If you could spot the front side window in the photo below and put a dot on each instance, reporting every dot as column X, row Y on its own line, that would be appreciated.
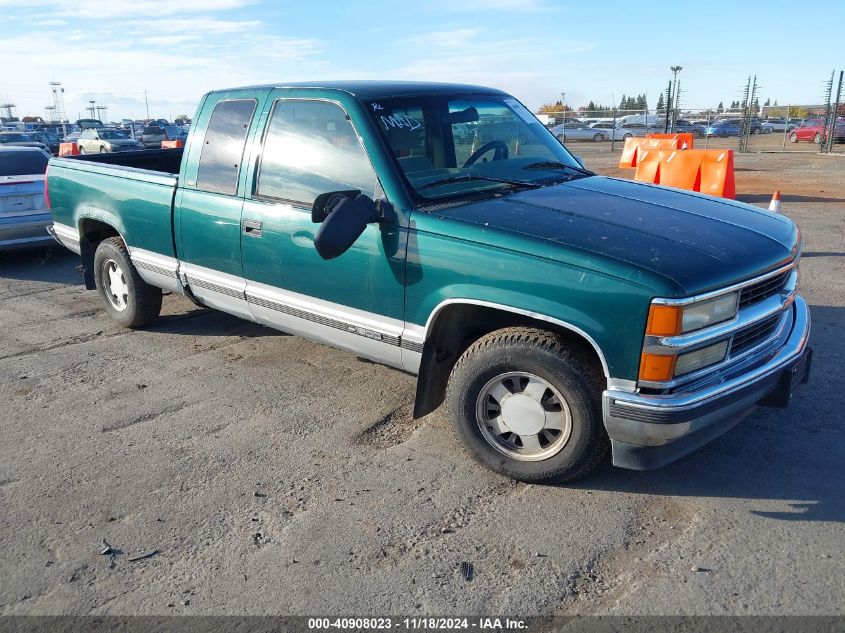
column 223, row 146
column 311, row 148
column 459, row 145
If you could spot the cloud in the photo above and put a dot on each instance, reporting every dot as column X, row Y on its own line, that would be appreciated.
column 99, row 9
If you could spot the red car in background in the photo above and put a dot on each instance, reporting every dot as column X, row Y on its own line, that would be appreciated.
column 814, row 130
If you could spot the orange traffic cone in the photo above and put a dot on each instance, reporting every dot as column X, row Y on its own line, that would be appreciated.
column 774, row 205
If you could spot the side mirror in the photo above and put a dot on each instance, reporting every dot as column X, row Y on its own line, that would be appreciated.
column 326, row 202
column 344, row 224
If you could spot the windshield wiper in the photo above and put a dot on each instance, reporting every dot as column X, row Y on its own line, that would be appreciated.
column 547, row 165
column 468, row 177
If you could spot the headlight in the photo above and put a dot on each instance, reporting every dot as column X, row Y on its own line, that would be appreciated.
column 671, row 320
column 703, row 357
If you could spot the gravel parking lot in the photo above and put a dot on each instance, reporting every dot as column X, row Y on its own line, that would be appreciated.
column 270, row 475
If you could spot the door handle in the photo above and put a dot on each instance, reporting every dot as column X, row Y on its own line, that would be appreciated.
column 252, row 228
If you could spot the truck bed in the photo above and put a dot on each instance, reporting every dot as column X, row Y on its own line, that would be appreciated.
column 165, row 161
column 130, row 191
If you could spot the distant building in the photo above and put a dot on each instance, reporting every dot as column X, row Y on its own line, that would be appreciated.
column 769, row 112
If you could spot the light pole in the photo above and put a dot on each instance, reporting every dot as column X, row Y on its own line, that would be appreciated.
column 563, row 125
column 673, row 98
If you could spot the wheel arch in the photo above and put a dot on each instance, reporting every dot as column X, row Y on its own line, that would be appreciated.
column 92, row 231
column 457, row 323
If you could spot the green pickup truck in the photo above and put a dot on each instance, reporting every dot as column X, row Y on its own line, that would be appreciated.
column 442, row 230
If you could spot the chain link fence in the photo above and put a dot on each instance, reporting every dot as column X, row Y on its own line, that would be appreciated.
column 743, row 127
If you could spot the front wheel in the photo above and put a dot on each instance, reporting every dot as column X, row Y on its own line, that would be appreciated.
column 102, row 149
column 817, row 139
column 81, row 149
column 528, row 407
column 598, row 137
column 793, row 138
column 127, row 298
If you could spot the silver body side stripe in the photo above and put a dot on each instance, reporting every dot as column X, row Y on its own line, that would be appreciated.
column 67, row 236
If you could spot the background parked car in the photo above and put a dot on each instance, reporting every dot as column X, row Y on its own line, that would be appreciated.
column 103, row 140
column 23, row 214
column 688, row 127
column 724, row 128
column 152, row 136
column 49, row 139
column 577, row 131
column 778, row 125
column 21, row 140
column 814, row 131
column 627, row 130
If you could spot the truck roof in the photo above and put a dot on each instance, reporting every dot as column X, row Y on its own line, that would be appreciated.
column 373, row 89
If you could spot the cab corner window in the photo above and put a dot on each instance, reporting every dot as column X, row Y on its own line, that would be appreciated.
column 311, row 148
column 223, row 146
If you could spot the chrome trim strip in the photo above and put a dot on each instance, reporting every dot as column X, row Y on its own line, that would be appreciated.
column 722, row 291
column 620, row 384
column 360, row 322
column 681, row 401
column 528, row 313
column 154, row 262
column 362, row 333
column 67, row 236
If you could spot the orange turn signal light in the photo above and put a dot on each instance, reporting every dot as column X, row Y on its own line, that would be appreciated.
column 664, row 320
column 657, row 367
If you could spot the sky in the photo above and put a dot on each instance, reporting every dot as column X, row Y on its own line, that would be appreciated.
column 113, row 51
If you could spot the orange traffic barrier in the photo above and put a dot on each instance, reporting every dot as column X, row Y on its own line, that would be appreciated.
column 717, row 173
column 68, row 149
column 636, row 145
column 706, row 171
column 681, row 169
column 681, row 137
column 659, row 143
column 628, row 160
column 172, row 144
column 648, row 165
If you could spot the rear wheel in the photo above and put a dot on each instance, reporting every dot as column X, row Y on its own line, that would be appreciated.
column 528, row 407
column 81, row 149
column 126, row 297
column 627, row 136
column 598, row 137
column 817, row 139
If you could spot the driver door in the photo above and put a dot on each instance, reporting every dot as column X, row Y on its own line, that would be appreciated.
column 354, row 301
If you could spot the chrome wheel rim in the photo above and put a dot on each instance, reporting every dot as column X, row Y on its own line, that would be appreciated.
column 523, row 416
column 114, row 283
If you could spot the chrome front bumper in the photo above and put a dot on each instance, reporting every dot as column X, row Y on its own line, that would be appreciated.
column 649, row 431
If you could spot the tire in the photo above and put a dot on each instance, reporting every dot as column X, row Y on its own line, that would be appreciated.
column 519, row 361
column 598, row 137
column 625, row 137
column 102, row 149
column 126, row 297
column 817, row 139
column 793, row 138
column 81, row 149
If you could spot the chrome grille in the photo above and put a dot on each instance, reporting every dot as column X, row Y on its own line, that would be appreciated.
column 753, row 335
column 762, row 289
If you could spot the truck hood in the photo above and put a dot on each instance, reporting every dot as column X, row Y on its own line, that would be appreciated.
column 698, row 242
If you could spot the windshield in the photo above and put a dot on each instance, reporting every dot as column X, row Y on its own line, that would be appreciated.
column 15, row 138
column 22, row 163
column 458, row 145
column 111, row 134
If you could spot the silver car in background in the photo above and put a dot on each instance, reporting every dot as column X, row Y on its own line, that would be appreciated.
column 24, row 217
column 577, row 131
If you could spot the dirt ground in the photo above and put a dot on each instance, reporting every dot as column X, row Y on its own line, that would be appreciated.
column 264, row 474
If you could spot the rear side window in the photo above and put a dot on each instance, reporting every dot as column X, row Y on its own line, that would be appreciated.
column 22, row 163
column 223, row 146
column 312, row 148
